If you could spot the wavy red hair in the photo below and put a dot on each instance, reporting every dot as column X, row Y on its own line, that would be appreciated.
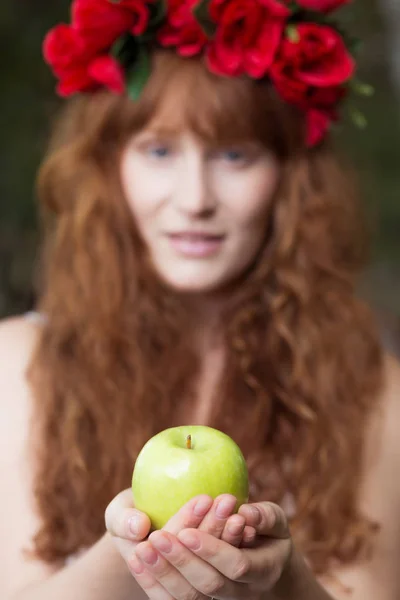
column 304, row 362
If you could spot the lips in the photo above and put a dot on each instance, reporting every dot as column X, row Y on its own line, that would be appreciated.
column 196, row 237
column 196, row 244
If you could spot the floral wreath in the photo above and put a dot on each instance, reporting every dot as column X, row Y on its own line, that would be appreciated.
column 297, row 45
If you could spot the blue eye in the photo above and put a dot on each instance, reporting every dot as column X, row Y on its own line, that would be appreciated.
column 159, row 151
column 234, row 155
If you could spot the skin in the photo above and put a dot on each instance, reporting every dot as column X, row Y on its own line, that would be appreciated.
column 175, row 183
column 199, row 562
column 210, row 553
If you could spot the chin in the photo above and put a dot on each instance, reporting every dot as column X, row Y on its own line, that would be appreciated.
column 195, row 284
column 195, row 287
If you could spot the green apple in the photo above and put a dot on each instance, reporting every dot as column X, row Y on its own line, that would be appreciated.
column 181, row 462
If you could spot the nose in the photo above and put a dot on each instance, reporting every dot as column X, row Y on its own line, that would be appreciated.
column 194, row 195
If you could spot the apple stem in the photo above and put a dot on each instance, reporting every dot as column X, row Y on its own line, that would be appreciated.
column 189, row 442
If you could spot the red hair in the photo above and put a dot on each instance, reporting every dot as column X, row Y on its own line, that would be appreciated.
column 304, row 363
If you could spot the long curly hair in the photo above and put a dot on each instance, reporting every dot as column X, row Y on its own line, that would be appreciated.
column 116, row 358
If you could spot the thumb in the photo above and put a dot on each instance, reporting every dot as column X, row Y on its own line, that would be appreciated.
column 267, row 519
column 123, row 520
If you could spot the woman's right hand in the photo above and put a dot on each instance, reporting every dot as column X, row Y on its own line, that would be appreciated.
column 129, row 526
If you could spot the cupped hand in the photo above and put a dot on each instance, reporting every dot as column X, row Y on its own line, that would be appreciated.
column 129, row 526
column 193, row 564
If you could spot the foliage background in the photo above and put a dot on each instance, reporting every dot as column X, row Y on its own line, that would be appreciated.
column 28, row 104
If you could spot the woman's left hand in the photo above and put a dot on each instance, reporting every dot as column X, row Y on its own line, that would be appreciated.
column 195, row 564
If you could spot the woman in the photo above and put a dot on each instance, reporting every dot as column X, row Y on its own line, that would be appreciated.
column 199, row 267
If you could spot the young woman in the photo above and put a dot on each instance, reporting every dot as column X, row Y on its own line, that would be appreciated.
column 199, row 267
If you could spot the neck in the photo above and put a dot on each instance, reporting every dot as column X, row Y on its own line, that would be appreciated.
column 206, row 314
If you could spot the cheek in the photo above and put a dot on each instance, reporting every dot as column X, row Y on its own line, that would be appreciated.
column 251, row 198
column 140, row 188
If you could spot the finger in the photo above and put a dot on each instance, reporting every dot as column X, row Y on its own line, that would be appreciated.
column 190, row 515
column 231, row 562
column 202, row 576
column 233, row 530
column 149, row 584
column 249, row 537
column 214, row 521
column 267, row 519
column 262, row 565
column 124, row 521
column 165, row 573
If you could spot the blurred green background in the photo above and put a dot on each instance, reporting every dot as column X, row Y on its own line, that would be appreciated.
column 28, row 104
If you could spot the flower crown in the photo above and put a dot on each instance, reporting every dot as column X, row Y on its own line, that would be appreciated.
column 294, row 44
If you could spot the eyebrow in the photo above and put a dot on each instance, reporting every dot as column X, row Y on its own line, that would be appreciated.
column 162, row 131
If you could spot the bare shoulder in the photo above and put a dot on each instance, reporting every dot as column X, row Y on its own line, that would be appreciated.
column 379, row 576
column 18, row 338
column 391, row 391
column 385, row 434
column 382, row 456
column 18, row 520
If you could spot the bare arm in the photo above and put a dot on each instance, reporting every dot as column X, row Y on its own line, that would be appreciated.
column 379, row 576
column 101, row 573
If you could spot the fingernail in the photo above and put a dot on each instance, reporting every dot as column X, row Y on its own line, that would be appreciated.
column 133, row 525
column 225, row 507
column 190, row 540
column 255, row 513
column 148, row 555
column 202, row 507
column 136, row 565
column 162, row 543
column 235, row 528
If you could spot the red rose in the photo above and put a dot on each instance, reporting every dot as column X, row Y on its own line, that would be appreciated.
column 324, row 6
column 182, row 30
column 310, row 71
column 77, row 66
column 79, row 53
column 106, row 71
column 317, row 58
column 322, row 111
column 102, row 22
column 317, row 125
column 62, row 48
column 248, row 35
column 103, row 71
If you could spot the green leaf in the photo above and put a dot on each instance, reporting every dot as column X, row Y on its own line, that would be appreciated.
column 293, row 34
column 117, row 50
column 126, row 49
column 138, row 73
column 202, row 16
column 361, row 88
column 358, row 119
column 294, row 7
column 158, row 12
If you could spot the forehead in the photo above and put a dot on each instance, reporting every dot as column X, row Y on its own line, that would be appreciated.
column 214, row 109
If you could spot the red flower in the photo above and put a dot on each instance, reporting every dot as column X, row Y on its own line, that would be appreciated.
column 103, row 71
column 79, row 53
column 182, row 29
column 322, row 111
column 101, row 22
column 248, row 35
column 317, row 125
column 324, row 6
column 311, row 70
column 76, row 66
column 62, row 48
column 317, row 59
